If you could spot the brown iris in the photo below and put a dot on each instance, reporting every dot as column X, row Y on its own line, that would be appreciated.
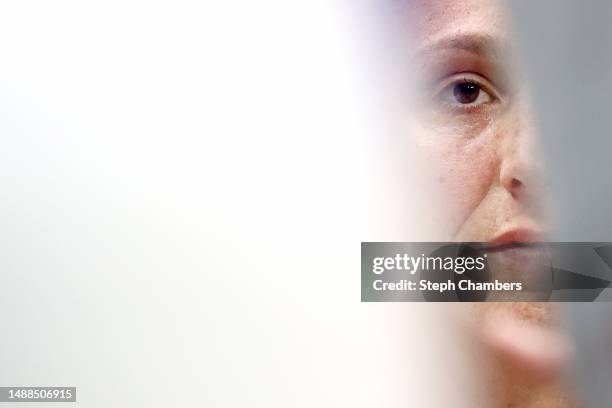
column 466, row 92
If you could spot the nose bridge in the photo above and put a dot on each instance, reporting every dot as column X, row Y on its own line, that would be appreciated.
column 520, row 164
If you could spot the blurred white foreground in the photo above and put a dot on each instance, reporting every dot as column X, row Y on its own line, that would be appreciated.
column 185, row 187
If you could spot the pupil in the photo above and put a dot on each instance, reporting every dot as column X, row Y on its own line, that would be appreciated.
column 466, row 92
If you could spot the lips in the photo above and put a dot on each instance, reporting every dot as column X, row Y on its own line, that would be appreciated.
column 517, row 246
column 519, row 255
column 517, row 237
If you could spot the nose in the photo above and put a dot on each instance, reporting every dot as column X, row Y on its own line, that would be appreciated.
column 520, row 168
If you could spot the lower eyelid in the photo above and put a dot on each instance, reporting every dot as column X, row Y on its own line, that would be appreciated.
column 468, row 77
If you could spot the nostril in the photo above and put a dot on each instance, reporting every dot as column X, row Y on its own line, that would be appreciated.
column 515, row 188
column 515, row 184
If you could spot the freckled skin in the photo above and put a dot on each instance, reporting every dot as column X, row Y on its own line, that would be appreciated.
column 478, row 160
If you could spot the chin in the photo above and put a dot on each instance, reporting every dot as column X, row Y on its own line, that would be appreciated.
column 538, row 313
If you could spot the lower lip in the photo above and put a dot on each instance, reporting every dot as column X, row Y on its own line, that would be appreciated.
column 511, row 247
column 518, row 256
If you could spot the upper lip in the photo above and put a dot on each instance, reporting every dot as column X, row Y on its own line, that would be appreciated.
column 515, row 237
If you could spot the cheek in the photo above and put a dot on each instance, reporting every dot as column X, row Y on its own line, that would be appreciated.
column 463, row 170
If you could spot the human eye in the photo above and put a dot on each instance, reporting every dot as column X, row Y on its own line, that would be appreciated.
column 465, row 92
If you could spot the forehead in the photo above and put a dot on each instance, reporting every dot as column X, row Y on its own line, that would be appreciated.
column 446, row 19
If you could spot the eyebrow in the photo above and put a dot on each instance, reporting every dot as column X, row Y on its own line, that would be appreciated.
column 478, row 44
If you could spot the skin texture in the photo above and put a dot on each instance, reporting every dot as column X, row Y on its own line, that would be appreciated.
column 484, row 166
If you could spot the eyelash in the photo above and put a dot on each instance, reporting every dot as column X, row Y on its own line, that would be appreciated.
column 449, row 84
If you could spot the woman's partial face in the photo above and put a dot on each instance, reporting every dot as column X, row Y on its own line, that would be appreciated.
column 474, row 133
column 474, row 128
